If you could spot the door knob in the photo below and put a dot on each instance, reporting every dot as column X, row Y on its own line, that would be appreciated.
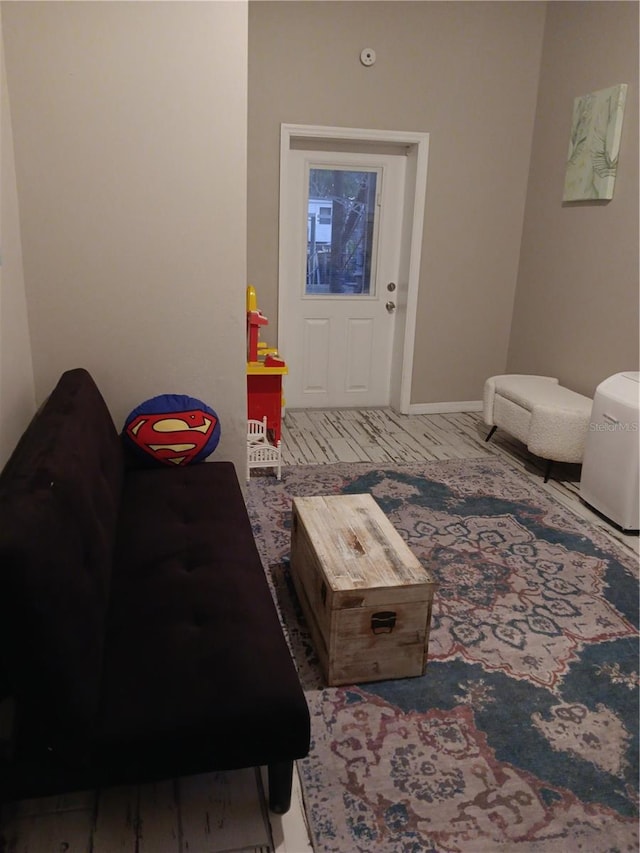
column 390, row 306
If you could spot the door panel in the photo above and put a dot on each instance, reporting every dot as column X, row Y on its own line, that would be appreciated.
column 343, row 225
column 360, row 335
column 315, row 362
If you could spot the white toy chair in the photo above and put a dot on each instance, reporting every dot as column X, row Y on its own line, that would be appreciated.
column 260, row 452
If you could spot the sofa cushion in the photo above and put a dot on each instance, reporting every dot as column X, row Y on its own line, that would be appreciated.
column 192, row 625
column 59, row 501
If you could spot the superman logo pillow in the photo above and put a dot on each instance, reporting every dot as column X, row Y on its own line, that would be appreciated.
column 173, row 429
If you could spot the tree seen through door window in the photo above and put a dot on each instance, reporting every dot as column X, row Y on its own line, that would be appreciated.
column 340, row 230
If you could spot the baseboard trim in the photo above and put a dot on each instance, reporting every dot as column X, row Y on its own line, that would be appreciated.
column 445, row 408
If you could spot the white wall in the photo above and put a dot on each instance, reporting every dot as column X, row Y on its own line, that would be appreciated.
column 129, row 126
column 576, row 307
column 17, row 396
column 466, row 73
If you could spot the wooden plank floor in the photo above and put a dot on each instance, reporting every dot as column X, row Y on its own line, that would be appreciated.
column 316, row 436
column 214, row 813
column 209, row 813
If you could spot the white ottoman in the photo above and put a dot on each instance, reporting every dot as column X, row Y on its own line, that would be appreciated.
column 551, row 420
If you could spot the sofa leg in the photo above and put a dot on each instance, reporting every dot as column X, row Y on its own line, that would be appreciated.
column 547, row 472
column 280, row 781
column 491, row 432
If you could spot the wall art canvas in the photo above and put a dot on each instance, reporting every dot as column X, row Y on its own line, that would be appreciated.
column 594, row 144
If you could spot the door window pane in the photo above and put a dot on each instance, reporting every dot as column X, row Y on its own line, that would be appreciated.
column 341, row 219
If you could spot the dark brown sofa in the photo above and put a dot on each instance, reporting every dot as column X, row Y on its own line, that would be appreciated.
column 138, row 636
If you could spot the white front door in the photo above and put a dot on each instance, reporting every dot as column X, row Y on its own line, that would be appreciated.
column 341, row 236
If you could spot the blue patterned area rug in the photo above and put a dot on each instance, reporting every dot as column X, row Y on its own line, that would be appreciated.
column 523, row 733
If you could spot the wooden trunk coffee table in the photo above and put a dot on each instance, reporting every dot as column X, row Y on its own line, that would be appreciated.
column 366, row 597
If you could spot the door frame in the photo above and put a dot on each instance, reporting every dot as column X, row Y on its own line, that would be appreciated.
column 416, row 148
